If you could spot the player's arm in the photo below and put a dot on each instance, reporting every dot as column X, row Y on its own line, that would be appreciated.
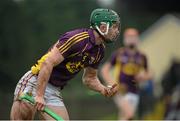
column 91, row 80
column 54, row 58
column 106, row 68
column 146, row 74
column 105, row 72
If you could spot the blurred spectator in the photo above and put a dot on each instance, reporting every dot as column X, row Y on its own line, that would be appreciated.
column 147, row 99
column 171, row 91
column 130, row 68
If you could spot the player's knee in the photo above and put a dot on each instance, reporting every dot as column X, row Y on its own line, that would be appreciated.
column 59, row 110
column 22, row 111
column 129, row 114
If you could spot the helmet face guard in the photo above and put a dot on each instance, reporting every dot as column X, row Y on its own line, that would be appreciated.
column 103, row 16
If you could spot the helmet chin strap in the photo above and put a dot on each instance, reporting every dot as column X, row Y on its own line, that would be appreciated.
column 107, row 29
column 105, row 33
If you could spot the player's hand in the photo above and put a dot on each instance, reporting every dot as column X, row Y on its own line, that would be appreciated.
column 141, row 76
column 114, row 89
column 110, row 91
column 39, row 103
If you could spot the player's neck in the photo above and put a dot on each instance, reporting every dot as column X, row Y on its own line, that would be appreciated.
column 98, row 39
column 132, row 51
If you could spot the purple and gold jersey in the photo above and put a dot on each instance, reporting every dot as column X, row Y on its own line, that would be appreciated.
column 79, row 51
column 126, row 66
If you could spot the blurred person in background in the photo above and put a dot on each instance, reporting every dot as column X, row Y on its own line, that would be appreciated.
column 171, row 91
column 146, row 98
column 75, row 50
column 130, row 67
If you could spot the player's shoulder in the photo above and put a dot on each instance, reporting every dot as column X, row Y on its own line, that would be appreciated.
column 78, row 32
column 142, row 53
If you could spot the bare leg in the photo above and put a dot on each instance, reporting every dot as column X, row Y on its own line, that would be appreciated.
column 126, row 110
column 60, row 110
column 22, row 111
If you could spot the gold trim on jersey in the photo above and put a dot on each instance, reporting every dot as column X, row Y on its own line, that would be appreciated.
column 75, row 39
column 97, row 56
column 85, row 48
column 36, row 68
column 72, row 39
column 73, row 42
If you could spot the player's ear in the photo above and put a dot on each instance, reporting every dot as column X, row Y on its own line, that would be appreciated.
column 103, row 28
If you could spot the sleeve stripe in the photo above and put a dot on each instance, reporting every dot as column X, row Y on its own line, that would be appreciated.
column 80, row 39
column 84, row 48
column 97, row 56
column 72, row 38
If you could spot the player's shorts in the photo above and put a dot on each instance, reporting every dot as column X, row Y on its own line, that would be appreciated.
column 131, row 98
column 27, row 84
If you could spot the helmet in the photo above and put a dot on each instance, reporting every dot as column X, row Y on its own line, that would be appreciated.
column 107, row 16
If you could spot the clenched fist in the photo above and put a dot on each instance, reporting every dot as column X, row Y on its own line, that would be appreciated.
column 39, row 103
column 110, row 91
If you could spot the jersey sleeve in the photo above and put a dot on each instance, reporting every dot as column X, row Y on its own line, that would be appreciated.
column 71, row 45
column 96, row 64
column 98, row 58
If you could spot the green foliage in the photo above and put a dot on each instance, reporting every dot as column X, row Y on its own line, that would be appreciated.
column 29, row 27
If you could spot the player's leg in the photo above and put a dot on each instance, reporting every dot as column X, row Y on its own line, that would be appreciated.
column 124, row 109
column 22, row 111
column 117, row 99
column 128, row 106
column 60, row 110
column 54, row 101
